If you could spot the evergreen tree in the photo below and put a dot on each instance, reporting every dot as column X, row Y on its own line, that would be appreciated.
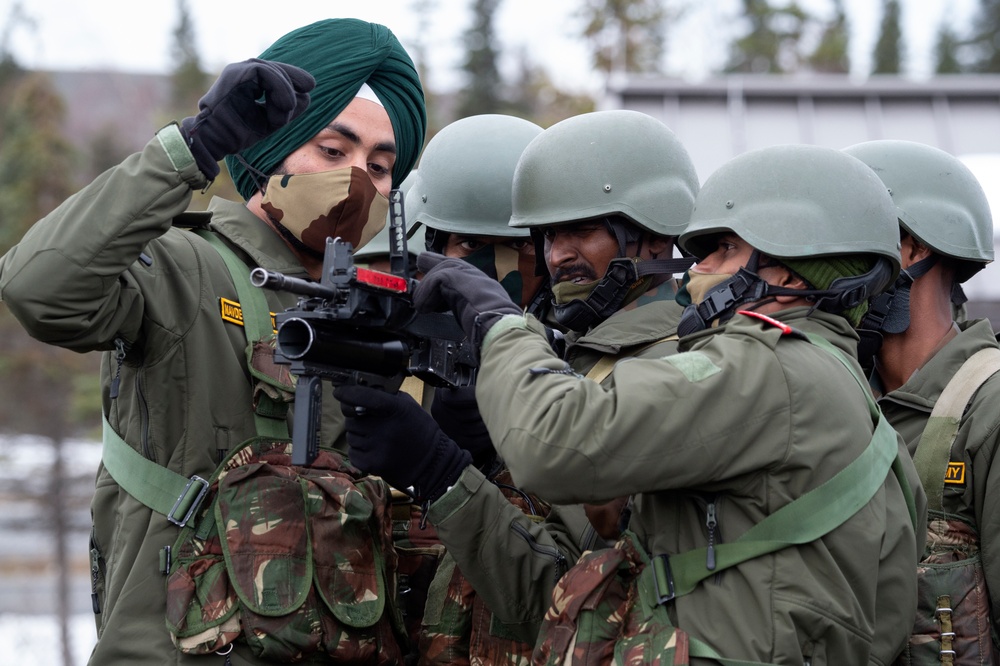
column 424, row 11
column 984, row 42
column 10, row 70
column 39, row 390
column 772, row 45
column 831, row 55
column 536, row 97
column 484, row 92
column 888, row 54
column 36, row 160
column 946, row 50
column 626, row 35
column 188, row 81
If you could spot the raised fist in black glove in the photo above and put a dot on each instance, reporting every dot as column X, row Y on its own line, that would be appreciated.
column 456, row 411
column 390, row 435
column 250, row 100
column 477, row 300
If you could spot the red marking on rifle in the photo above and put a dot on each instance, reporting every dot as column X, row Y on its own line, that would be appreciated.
column 382, row 280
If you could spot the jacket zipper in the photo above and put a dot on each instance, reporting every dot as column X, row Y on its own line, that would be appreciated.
column 554, row 553
column 147, row 450
column 711, row 522
column 713, row 531
column 121, row 350
column 95, row 575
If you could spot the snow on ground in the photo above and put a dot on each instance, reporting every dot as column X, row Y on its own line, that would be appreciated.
column 33, row 640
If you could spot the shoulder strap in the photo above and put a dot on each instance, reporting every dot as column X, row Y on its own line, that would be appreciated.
column 256, row 325
column 162, row 490
column 934, row 450
column 606, row 363
column 803, row 520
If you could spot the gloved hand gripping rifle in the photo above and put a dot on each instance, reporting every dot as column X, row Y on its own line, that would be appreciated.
column 359, row 326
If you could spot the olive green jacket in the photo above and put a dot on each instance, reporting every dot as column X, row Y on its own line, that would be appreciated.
column 512, row 561
column 977, row 500
column 110, row 263
column 743, row 420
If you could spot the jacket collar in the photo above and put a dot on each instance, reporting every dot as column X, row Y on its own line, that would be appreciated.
column 924, row 387
column 253, row 236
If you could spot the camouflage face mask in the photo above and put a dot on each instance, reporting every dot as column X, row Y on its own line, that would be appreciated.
column 340, row 203
column 696, row 285
column 500, row 263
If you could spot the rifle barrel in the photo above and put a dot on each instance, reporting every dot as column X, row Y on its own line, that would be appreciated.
column 265, row 279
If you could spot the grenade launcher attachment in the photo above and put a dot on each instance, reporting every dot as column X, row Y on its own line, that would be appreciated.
column 359, row 326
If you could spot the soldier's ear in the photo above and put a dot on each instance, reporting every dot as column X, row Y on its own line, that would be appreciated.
column 783, row 277
column 658, row 245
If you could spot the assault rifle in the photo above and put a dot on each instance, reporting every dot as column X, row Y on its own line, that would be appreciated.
column 359, row 326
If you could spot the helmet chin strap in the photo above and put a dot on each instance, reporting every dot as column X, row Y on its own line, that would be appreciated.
column 622, row 273
column 889, row 312
column 746, row 286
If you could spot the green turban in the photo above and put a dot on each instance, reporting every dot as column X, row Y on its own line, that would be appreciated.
column 342, row 54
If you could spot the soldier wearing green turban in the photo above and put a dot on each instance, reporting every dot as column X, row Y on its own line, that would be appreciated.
column 315, row 132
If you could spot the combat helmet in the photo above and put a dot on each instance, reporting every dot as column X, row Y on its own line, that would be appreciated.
column 623, row 167
column 941, row 204
column 801, row 206
column 464, row 180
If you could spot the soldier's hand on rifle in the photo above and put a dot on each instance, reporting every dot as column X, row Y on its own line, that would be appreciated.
column 456, row 411
column 477, row 300
column 391, row 436
column 250, row 100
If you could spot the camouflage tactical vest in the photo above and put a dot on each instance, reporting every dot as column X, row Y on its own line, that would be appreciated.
column 458, row 628
column 296, row 560
column 953, row 623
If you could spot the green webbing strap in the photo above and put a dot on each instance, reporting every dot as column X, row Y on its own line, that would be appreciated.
column 607, row 363
column 162, row 490
column 801, row 521
column 934, row 450
column 873, row 408
column 175, row 496
column 269, row 416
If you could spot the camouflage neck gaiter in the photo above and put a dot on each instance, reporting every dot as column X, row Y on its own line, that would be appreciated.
column 313, row 206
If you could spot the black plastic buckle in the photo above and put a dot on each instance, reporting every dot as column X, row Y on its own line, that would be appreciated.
column 662, row 572
column 191, row 498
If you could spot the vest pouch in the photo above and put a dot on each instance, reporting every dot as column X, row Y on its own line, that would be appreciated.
column 357, row 579
column 951, row 577
column 604, row 611
column 589, row 604
column 201, row 604
column 284, row 557
column 419, row 552
column 260, row 512
column 273, row 384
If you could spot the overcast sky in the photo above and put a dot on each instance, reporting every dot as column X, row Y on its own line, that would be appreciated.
column 135, row 35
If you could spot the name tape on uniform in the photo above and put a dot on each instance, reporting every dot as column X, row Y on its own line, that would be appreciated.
column 233, row 313
column 955, row 475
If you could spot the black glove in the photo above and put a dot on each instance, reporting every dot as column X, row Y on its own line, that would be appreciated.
column 390, row 435
column 250, row 100
column 457, row 412
column 477, row 300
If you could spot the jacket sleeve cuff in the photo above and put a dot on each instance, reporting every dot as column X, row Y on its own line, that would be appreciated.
column 175, row 146
column 457, row 496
